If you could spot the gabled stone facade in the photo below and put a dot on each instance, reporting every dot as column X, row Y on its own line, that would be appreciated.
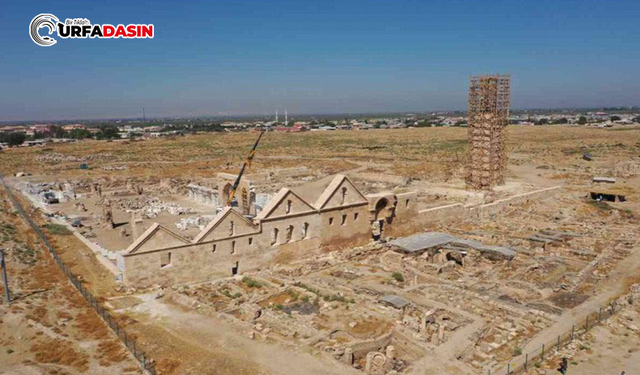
column 327, row 214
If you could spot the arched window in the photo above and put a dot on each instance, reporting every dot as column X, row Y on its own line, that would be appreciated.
column 245, row 201
column 288, row 208
column 274, row 236
column 305, row 230
column 289, row 233
column 344, row 195
column 232, row 228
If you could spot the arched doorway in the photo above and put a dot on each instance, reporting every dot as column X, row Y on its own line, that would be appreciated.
column 381, row 209
column 380, row 216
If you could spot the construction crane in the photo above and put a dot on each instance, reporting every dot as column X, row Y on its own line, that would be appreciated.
column 231, row 201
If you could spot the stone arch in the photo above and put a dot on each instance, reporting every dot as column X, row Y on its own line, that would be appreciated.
column 226, row 190
column 381, row 208
column 456, row 257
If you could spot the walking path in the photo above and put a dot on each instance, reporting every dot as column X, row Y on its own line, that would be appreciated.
column 221, row 338
column 613, row 287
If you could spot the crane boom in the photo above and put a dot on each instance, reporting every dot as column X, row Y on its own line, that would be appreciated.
column 231, row 201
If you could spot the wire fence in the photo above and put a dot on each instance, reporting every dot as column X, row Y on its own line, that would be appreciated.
column 130, row 343
column 523, row 362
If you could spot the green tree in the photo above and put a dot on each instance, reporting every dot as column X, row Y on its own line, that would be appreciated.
column 80, row 134
column 108, row 132
column 615, row 118
column 14, row 139
column 582, row 120
column 542, row 121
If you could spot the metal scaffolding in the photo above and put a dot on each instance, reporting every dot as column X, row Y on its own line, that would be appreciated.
column 489, row 100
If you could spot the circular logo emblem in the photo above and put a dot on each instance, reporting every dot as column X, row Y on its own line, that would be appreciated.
column 43, row 20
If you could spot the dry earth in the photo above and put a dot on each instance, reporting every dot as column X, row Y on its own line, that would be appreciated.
column 183, row 342
column 49, row 328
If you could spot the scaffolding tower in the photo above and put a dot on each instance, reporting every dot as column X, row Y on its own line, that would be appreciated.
column 489, row 100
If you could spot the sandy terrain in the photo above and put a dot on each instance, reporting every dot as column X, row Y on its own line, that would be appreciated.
column 186, row 340
column 49, row 328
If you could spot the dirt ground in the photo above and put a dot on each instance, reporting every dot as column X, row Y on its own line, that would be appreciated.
column 429, row 154
column 608, row 349
column 49, row 328
column 186, row 342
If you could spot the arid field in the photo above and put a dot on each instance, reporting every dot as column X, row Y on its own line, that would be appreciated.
column 482, row 313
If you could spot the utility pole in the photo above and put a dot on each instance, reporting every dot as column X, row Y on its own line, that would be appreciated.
column 4, row 276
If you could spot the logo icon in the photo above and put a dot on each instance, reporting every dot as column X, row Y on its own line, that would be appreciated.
column 43, row 20
column 82, row 28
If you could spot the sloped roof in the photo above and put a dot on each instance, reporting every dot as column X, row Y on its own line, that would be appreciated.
column 218, row 219
column 148, row 234
column 310, row 192
column 277, row 199
column 331, row 189
column 423, row 241
column 315, row 193
column 395, row 301
column 500, row 251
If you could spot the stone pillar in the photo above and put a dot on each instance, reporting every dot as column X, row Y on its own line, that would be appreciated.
column 107, row 214
column 375, row 363
column 348, row 356
column 391, row 355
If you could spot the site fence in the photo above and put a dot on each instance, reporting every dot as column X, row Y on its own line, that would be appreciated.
column 524, row 362
column 138, row 354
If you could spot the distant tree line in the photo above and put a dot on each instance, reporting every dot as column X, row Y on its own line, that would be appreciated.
column 55, row 131
column 195, row 127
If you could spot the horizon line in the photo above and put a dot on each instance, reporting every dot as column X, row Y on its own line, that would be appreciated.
column 309, row 114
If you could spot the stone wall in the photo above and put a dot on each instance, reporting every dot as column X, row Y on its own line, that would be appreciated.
column 217, row 254
column 194, row 262
column 457, row 210
column 493, row 208
column 360, row 349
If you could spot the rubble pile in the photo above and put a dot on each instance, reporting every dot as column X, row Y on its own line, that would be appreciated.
column 54, row 157
column 114, row 167
column 150, row 207
column 199, row 222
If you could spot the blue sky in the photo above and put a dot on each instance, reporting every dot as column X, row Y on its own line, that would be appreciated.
column 251, row 57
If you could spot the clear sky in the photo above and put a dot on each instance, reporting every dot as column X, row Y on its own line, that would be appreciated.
column 250, row 57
